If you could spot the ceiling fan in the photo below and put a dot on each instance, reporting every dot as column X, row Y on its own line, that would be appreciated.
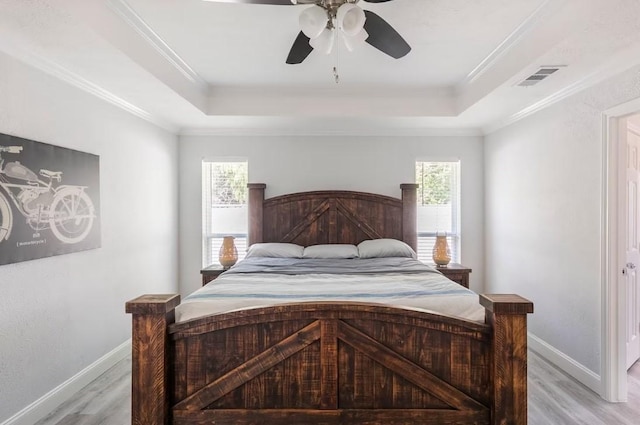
column 320, row 22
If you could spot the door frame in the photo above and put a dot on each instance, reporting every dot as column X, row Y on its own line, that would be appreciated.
column 613, row 358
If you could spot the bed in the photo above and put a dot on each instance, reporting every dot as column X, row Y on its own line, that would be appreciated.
column 329, row 361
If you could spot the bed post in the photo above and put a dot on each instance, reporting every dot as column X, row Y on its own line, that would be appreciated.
column 256, row 201
column 150, row 363
column 409, row 214
column 507, row 315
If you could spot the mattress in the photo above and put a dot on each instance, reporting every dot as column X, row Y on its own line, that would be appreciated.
column 398, row 282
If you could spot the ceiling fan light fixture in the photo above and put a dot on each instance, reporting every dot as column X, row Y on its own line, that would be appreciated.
column 325, row 20
column 352, row 42
column 313, row 21
column 324, row 42
column 350, row 19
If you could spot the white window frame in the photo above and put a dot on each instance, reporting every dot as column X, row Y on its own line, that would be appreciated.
column 454, row 237
column 210, row 257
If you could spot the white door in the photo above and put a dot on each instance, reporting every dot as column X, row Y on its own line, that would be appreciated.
column 632, row 265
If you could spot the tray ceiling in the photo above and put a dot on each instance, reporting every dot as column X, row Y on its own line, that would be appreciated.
column 196, row 65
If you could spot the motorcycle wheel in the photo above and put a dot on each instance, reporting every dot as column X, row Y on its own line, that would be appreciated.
column 72, row 213
column 6, row 218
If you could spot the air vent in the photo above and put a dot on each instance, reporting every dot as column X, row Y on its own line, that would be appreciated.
column 542, row 74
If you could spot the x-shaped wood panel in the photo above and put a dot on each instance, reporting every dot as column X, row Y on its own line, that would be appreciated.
column 332, row 206
column 329, row 331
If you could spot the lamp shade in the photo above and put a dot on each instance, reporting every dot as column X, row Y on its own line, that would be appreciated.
column 350, row 19
column 313, row 21
column 324, row 42
column 352, row 42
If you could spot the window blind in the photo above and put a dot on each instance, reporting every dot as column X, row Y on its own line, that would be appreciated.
column 224, row 207
column 438, row 207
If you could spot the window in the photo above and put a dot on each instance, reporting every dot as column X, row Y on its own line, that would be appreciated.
column 224, row 203
column 438, row 207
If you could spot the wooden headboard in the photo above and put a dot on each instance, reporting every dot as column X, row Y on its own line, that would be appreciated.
column 323, row 217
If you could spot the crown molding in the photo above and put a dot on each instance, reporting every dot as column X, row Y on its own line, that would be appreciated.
column 622, row 62
column 75, row 80
column 60, row 72
column 135, row 21
column 508, row 43
column 355, row 132
column 548, row 101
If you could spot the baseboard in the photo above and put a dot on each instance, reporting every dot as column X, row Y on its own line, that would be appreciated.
column 54, row 398
column 570, row 366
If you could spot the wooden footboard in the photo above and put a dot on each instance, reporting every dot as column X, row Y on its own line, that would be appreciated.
column 329, row 363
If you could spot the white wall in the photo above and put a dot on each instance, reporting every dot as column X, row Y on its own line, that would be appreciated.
column 543, row 196
column 60, row 314
column 295, row 164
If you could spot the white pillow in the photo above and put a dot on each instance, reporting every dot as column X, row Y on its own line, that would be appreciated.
column 331, row 251
column 378, row 248
column 275, row 249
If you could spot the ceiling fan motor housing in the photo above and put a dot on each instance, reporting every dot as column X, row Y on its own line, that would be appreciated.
column 332, row 6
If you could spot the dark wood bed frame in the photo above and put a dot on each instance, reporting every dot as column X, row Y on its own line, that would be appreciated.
column 329, row 363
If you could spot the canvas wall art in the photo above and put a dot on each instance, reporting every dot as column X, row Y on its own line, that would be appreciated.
column 49, row 200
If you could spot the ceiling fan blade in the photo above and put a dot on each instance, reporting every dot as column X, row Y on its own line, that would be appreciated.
column 383, row 37
column 300, row 49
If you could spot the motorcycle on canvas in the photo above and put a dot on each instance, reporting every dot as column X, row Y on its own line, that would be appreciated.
column 66, row 209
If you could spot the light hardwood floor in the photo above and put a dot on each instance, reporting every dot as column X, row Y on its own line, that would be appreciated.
column 554, row 399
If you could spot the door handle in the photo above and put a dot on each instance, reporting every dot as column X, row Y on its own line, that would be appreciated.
column 630, row 266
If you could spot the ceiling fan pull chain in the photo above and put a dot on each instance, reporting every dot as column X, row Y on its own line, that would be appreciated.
column 336, row 76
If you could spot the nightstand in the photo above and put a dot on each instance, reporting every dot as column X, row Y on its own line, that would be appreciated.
column 210, row 273
column 456, row 272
